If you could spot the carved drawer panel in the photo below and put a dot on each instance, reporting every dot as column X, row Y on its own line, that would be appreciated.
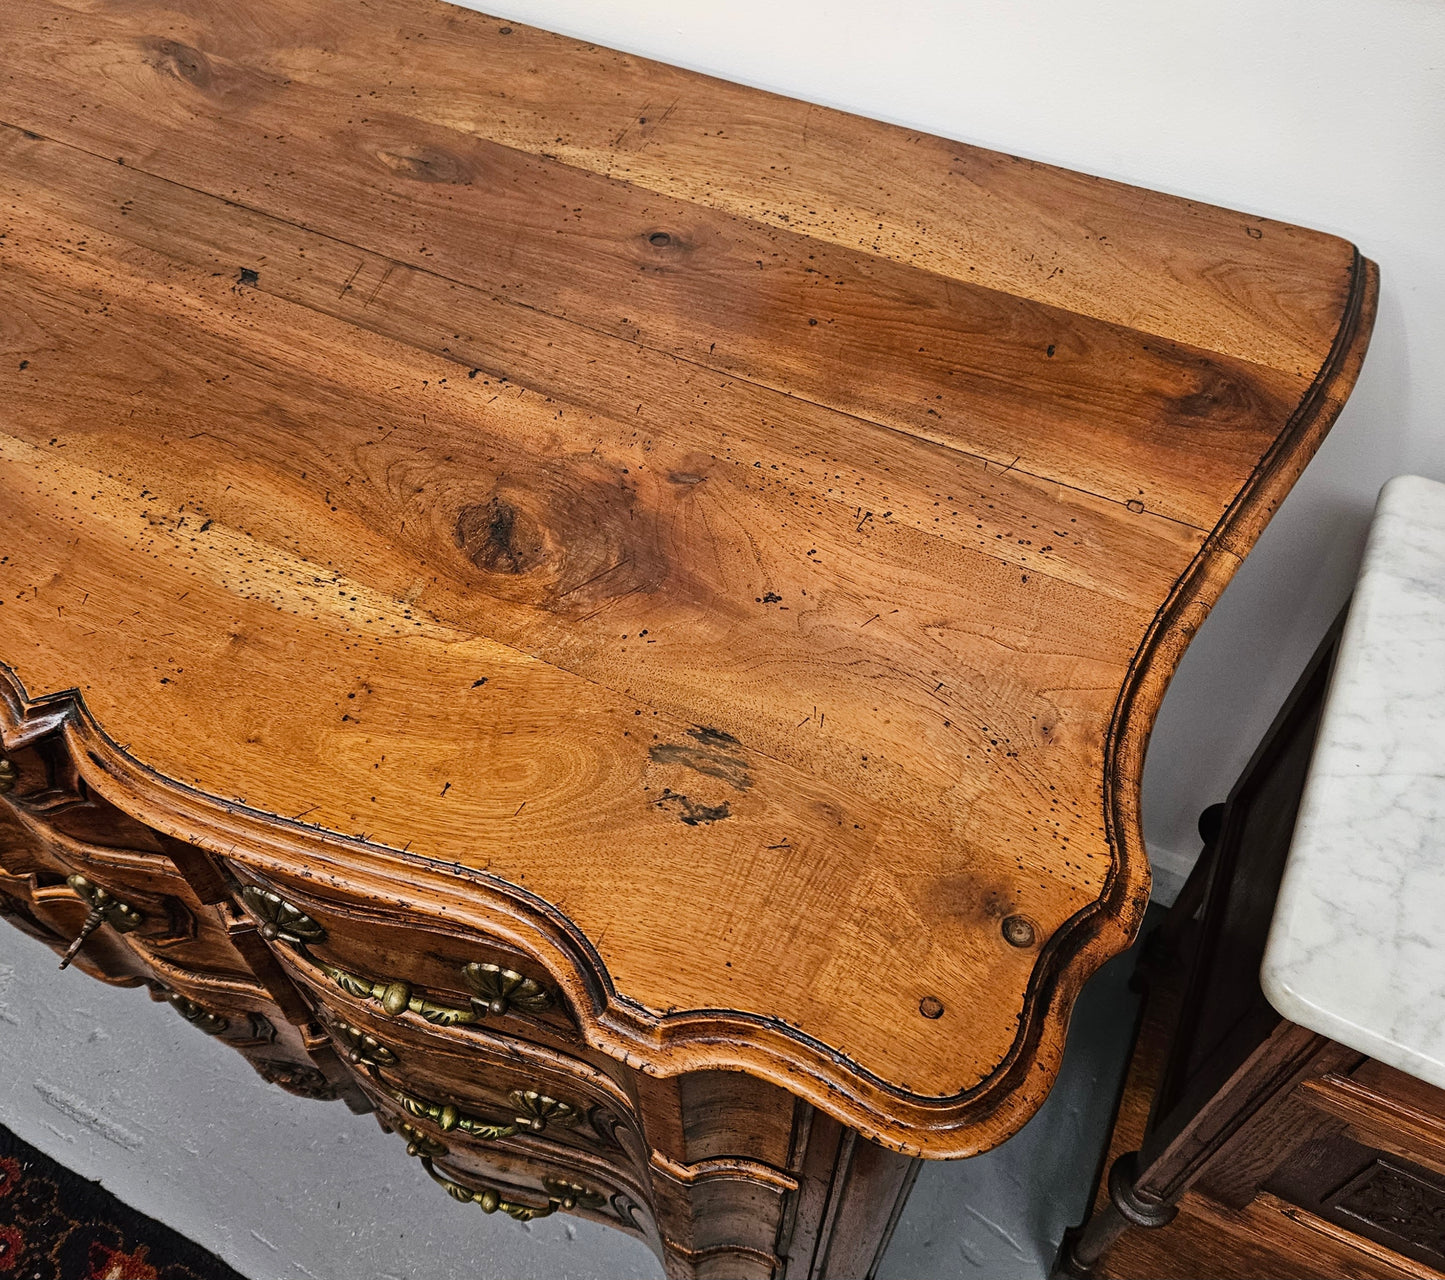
column 1396, row 1203
column 169, row 917
column 475, row 1079
column 526, row 1184
column 723, row 1206
column 1371, row 1192
column 47, row 908
column 232, row 1009
column 36, row 894
column 397, row 963
column 42, row 780
column 169, row 920
column 300, row 1057
column 481, row 1093
column 235, row 1010
column 22, row 853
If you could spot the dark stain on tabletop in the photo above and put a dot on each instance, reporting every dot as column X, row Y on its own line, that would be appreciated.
column 716, row 754
column 690, row 811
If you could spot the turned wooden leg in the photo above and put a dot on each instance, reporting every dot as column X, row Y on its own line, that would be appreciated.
column 1083, row 1246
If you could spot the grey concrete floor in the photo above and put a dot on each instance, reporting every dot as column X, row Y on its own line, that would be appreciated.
column 120, row 1089
column 1002, row 1214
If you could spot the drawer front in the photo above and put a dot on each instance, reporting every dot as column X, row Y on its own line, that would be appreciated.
column 52, row 835
column 400, row 964
column 1370, row 1192
column 42, row 781
column 472, row 1079
column 467, row 1090
column 524, row 1183
column 725, row 1211
column 239, row 1012
column 242, row 1014
column 47, row 909
column 236, row 1010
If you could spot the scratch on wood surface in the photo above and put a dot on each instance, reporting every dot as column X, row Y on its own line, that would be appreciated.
column 385, row 276
column 227, row 556
column 347, row 286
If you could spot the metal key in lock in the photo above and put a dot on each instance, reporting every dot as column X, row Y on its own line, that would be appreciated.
column 105, row 908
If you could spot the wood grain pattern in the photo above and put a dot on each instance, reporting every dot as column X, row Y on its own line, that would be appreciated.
column 728, row 550
column 1413, row 1128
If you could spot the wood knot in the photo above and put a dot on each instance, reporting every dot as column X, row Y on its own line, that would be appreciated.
column 564, row 534
column 1214, row 397
column 498, row 538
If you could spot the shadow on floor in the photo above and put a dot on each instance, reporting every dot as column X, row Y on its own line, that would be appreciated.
column 1002, row 1214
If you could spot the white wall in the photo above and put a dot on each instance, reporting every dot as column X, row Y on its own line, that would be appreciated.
column 1327, row 113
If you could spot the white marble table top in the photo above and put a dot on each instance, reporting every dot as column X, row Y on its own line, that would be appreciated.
column 1357, row 947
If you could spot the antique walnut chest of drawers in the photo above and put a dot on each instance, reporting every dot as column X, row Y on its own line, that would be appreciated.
column 606, row 617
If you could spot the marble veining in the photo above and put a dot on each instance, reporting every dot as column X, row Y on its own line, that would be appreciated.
column 1357, row 946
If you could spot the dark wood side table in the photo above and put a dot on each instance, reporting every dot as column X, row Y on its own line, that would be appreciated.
column 1247, row 1144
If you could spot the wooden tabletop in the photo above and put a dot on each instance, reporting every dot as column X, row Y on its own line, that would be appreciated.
column 746, row 541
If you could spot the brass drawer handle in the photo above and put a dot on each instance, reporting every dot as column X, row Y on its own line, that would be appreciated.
column 396, row 997
column 560, row 1195
column 363, row 1049
column 498, row 990
column 280, row 920
column 213, row 1024
column 105, row 908
column 447, row 1117
column 419, row 1143
column 536, row 1110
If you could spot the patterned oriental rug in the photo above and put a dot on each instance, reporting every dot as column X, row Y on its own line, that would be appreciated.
column 54, row 1225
